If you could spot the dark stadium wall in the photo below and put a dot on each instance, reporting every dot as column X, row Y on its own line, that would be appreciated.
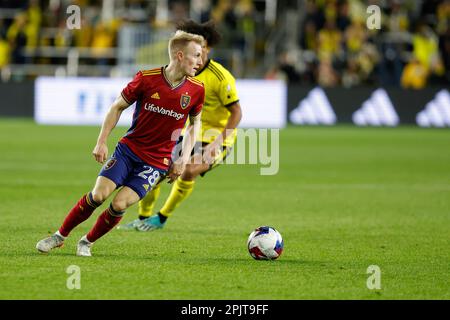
column 17, row 99
column 410, row 102
column 308, row 105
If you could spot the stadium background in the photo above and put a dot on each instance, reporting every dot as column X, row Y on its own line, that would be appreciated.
column 345, row 197
column 303, row 43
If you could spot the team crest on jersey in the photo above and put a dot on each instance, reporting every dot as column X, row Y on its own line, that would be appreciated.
column 184, row 101
column 110, row 164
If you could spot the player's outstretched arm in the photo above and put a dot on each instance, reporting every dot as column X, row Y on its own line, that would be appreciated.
column 192, row 132
column 100, row 151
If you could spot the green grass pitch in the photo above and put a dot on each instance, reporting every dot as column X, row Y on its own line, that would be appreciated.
column 345, row 198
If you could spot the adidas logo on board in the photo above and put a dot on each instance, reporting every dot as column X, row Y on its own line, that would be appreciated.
column 436, row 112
column 314, row 109
column 378, row 110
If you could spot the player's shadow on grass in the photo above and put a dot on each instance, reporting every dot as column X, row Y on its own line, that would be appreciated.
column 245, row 261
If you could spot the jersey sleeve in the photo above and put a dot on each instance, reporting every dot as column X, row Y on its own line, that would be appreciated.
column 195, row 110
column 133, row 90
column 227, row 90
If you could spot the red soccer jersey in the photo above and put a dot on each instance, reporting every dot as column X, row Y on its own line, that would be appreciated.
column 161, row 112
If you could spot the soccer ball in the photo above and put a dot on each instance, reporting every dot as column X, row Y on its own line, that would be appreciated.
column 265, row 243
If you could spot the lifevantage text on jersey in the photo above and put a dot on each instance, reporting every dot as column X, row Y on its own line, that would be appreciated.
column 154, row 108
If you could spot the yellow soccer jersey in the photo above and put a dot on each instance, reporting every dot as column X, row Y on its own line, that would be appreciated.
column 220, row 92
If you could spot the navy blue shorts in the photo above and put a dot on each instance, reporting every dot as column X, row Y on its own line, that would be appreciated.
column 125, row 168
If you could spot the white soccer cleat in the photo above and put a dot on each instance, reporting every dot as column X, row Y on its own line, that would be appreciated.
column 84, row 247
column 49, row 243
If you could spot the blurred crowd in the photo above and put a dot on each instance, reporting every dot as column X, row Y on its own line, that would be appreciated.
column 29, row 29
column 333, row 45
column 411, row 48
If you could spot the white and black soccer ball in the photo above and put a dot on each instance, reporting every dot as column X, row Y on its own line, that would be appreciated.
column 265, row 243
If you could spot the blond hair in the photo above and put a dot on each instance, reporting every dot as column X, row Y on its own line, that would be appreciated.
column 180, row 40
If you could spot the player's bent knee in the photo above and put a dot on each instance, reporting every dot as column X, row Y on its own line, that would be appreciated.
column 103, row 189
column 192, row 171
column 99, row 196
column 119, row 205
column 188, row 175
column 125, row 198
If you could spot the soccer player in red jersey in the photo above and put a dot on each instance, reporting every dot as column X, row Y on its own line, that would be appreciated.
column 221, row 115
column 164, row 98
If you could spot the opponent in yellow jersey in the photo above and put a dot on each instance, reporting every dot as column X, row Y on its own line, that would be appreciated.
column 220, row 95
column 220, row 116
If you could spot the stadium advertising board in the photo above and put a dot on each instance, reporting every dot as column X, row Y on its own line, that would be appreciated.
column 369, row 106
column 85, row 101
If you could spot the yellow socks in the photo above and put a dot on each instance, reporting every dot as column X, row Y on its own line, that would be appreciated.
column 181, row 190
column 147, row 204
